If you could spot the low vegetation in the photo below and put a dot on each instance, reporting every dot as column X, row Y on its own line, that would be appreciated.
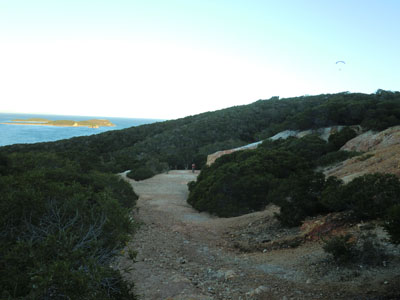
column 283, row 172
column 392, row 224
column 347, row 249
column 342, row 248
column 61, row 229
column 140, row 173
column 176, row 144
column 280, row 172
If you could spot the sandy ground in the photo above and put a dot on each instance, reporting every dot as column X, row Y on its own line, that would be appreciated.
column 184, row 254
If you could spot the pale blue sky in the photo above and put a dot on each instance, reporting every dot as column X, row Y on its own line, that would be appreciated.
column 169, row 59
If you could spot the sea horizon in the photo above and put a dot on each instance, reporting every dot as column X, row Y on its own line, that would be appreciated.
column 11, row 134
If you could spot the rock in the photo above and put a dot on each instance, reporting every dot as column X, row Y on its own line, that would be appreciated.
column 225, row 274
column 181, row 260
column 191, row 297
column 218, row 274
column 258, row 291
column 178, row 278
column 370, row 140
column 229, row 274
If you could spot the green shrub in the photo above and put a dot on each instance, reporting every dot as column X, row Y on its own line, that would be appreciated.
column 346, row 249
column 4, row 164
column 342, row 248
column 370, row 251
column 298, row 197
column 309, row 147
column 332, row 197
column 191, row 185
column 140, row 173
column 240, row 183
column 366, row 197
column 392, row 223
column 121, row 190
column 132, row 254
column 335, row 157
column 369, row 196
column 60, row 230
column 337, row 140
column 365, row 157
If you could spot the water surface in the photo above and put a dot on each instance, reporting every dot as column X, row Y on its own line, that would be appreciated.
column 22, row 134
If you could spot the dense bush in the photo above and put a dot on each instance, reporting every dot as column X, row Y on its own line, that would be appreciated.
column 240, row 183
column 309, row 147
column 337, row 140
column 369, row 196
column 283, row 172
column 335, row 157
column 140, row 173
column 346, row 249
column 298, row 197
column 333, row 197
column 60, row 229
column 342, row 248
column 179, row 143
column 278, row 171
column 370, row 250
column 392, row 224
column 366, row 197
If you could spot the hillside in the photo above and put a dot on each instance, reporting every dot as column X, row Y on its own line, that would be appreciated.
column 67, row 215
column 381, row 153
column 323, row 133
column 176, row 144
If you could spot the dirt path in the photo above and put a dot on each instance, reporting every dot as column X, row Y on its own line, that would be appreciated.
column 183, row 254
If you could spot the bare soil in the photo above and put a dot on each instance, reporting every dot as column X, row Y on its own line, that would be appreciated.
column 184, row 254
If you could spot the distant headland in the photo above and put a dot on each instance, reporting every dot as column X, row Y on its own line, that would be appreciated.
column 93, row 123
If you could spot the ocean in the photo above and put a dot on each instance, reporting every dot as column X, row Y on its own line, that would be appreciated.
column 23, row 134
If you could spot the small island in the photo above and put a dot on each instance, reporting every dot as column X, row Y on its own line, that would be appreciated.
column 93, row 123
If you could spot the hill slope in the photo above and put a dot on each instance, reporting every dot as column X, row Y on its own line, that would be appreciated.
column 50, row 187
column 381, row 154
column 179, row 143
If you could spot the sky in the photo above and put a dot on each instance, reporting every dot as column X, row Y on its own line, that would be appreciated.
column 168, row 59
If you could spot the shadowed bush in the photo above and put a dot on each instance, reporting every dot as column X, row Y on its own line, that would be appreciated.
column 61, row 230
column 337, row 140
column 342, row 248
column 140, row 173
column 392, row 223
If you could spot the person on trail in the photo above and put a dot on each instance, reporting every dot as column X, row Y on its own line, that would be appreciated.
column 193, row 167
